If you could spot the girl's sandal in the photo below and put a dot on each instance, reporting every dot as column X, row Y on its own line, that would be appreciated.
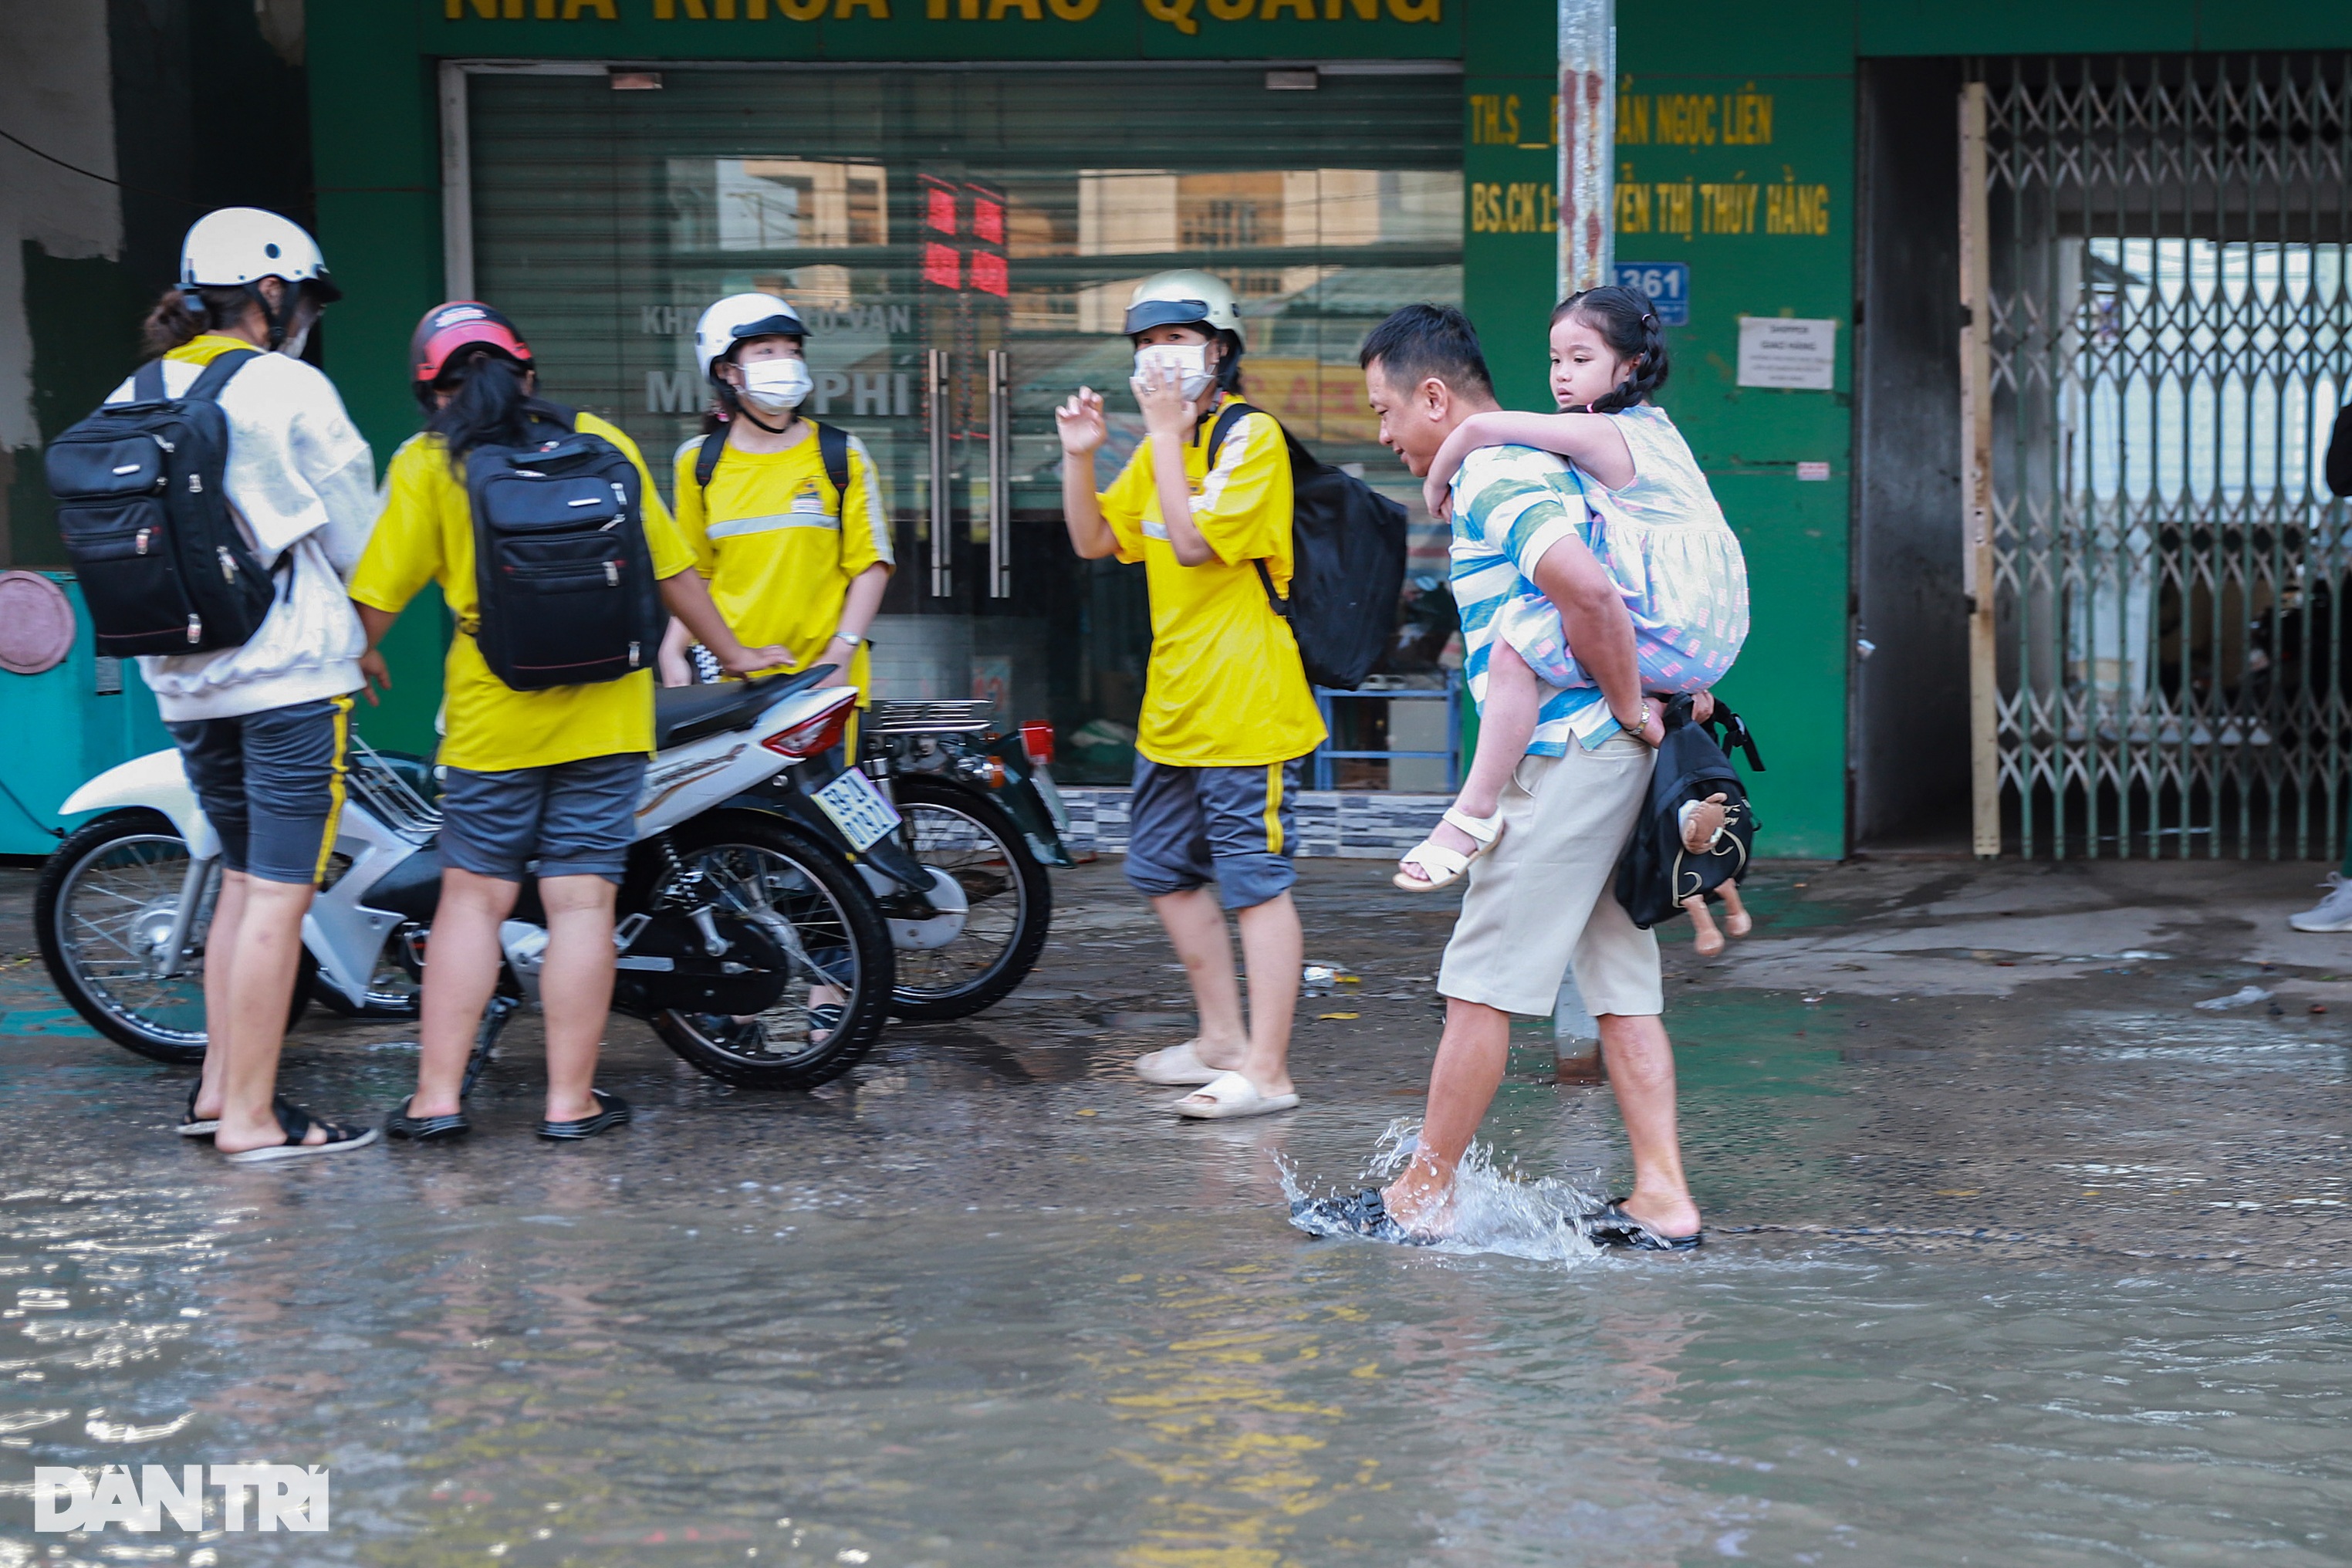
column 1444, row 867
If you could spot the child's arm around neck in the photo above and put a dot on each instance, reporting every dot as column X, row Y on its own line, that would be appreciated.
column 1592, row 441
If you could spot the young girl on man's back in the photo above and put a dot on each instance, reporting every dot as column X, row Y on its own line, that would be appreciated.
column 1656, row 528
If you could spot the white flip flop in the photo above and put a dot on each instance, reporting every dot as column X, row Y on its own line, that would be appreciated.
column 1175, row 1066
column 1444, row 867
column 1228, row 1097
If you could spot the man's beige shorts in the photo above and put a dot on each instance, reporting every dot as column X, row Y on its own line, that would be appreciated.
column 1543, row 897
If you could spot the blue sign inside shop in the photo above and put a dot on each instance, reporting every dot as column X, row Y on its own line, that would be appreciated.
column 1667, row 284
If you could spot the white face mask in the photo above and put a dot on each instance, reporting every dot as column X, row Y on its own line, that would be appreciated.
column 777, row 385
column 1189, row 360
column 292, row 347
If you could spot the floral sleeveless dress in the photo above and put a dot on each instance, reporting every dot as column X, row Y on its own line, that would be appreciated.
column 1676, row 560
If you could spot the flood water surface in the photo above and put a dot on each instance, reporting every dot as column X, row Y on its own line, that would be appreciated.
column 1978, row 1288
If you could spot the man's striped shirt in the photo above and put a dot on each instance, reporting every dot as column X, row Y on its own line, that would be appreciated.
column 1510, row 505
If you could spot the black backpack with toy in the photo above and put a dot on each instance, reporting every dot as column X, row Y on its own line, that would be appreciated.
column 1347, row 562
column 561, row 562
column 142, row 504
column 1656, row 875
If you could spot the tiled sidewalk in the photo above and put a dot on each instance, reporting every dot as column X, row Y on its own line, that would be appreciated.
column 1368, row 826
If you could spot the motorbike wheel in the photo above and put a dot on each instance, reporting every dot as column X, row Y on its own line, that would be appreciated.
column 107, row 898
column 957, row 830
column 759, row 868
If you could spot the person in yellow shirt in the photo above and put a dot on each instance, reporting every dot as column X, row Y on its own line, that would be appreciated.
column 1228, row 716
column 793, row 556
column 550, row 775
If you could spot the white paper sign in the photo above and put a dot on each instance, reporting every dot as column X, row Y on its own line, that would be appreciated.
column 1787, row 351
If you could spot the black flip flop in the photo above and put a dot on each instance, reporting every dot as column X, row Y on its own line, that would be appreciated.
column 297, row 1123
column 1610, row 1225
column 823, row 1019
column 425, row 1129
column 1364, row 1214
column 612, row 1111
column 190, row 1127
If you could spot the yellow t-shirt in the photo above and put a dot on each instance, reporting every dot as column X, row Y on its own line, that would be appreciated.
column 427, row 535
column 1225, row 687
column 779, row 544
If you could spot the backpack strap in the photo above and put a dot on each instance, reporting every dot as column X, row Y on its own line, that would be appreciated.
column 208, row 386
column 1230, row 415
column 833, row 447
column 147, row 383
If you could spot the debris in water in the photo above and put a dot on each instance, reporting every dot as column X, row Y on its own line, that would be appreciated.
column 2244, row 996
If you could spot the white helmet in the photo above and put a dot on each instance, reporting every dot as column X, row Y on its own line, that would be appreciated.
column 741, row 316
column 1186, row 298
column 243, row 245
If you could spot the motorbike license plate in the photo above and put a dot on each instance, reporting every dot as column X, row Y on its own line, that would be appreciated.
column 857, row 808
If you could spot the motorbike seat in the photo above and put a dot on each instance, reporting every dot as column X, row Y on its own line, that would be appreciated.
column 688, row 713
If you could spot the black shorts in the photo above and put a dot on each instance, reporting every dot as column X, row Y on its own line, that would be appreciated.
column 271, row 783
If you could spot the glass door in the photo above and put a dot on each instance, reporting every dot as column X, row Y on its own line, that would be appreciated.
column 963, row 243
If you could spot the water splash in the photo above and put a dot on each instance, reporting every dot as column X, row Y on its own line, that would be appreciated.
column 1495, row 1211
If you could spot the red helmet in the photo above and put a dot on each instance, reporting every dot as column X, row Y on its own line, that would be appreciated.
column 446, row 328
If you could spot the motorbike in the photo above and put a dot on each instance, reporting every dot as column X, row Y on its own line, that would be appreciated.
column 981, row 814
column 749, row 936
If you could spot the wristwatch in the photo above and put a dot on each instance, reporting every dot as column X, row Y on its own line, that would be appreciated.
column 853, row 642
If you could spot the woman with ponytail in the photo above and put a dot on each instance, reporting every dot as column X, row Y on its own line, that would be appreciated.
column 1656, row 528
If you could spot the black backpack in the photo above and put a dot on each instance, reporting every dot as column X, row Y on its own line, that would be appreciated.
column 143, row 502
column 561, row 562
column 1656, row 874
column 832, row 449
column 1348, row 546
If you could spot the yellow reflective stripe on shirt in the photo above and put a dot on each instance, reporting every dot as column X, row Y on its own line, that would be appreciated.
column 736, row 527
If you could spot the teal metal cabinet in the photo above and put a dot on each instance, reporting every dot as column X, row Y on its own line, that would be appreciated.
column 64, row 726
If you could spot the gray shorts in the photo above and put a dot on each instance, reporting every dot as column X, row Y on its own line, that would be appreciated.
column 574, row 819
column 1189, row 826
column 271, row 783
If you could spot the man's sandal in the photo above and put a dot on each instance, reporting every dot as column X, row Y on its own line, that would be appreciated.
column 1610, row 1225
column 1444, row 867
column 194, row 1126
column 296, row 1124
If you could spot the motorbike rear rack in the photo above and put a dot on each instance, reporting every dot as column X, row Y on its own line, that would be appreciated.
column 388, row 796
column 919, row 718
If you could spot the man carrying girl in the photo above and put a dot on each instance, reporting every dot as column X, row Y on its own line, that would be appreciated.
column 1565, row 762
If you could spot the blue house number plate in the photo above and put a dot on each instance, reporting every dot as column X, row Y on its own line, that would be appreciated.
column 1667, row 283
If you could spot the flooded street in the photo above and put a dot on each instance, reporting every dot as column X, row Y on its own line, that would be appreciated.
column 2015, row 1256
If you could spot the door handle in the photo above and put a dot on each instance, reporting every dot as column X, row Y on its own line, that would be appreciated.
column 935, row 396
column 1000, row 500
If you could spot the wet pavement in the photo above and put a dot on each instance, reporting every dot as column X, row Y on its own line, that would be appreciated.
column 2016, row 1256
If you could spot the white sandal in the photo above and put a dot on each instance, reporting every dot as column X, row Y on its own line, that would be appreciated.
column 1444, row 867
column 1176, row 1066
column 1229, row 1096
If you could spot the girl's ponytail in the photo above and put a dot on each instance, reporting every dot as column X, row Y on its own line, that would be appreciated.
column 489, row 404
column 181, row 315
column 1626, row 323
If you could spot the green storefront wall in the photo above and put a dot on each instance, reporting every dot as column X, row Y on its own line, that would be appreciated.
column 1788, row 167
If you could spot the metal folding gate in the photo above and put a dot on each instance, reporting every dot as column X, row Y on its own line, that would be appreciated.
column 2157, row 339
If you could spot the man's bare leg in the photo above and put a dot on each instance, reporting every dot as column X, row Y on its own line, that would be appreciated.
column 220, row 955
column 267, row 947
column 1471, row 1056
column 1196, row 923
column 1273, row 948
column 461, row 970
column 575, row 987
column 1642, row 1074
